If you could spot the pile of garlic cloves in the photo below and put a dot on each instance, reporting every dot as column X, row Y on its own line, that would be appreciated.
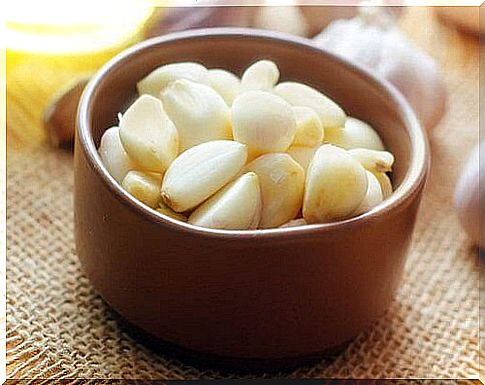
column 207, row 147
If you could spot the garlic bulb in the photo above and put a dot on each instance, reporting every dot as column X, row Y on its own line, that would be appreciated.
column 468, row 194
column 373, row 40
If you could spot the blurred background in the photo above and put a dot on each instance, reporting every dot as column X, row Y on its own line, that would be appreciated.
column 431, row 54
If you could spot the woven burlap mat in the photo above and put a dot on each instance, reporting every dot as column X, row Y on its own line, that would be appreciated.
column 59, row 328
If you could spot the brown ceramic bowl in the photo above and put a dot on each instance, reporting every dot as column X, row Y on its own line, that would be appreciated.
column 262, row 294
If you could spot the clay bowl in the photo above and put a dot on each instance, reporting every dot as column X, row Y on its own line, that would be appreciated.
column 272, row 294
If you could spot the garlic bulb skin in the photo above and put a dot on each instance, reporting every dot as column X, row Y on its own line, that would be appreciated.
column 373, row 40
column 468, row 195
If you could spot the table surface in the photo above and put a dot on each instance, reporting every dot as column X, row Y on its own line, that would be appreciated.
column 58, row 327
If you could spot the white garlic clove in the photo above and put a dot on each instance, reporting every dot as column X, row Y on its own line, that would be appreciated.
column 372, row 160
column 297, row 94
column 470, row 196
column 157, row 80
column 385, row 182
column 355, row 134
column 148, row 135
column 201, row 171
column 286, row 18
column 335, row 185
column 309, row 128
column 199, row 113
column 262, row 75
column 225, row 84
column 282, row 182
column 144, row 186
column 263, row 121
column 236, row 207
column 113, row 155
column 303, row 155
column 294, row 223
column 165, row 210
column 373, row 195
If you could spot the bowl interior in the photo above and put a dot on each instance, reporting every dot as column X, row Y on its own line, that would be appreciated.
column 359, row 95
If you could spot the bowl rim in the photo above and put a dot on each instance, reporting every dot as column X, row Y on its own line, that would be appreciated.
column 415, row 176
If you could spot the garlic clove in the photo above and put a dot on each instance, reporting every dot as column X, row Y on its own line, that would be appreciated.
column 199, row 172
column 225, row 84
column 309, row 128
column 355, row 134
column 236, row 207
column 336, row 184
column 199, row 113
column 470, row 196
column 282, row 182
column 262, row 75
column 302, row 155
column 294, row 223
column 165, row 210
column 158, row 79
column 113, row 155
column 263, row 121
column 372, row 160
column 143, row 186
column 385, row 182
column 373, row 195
column 298, row 94
column 148, row 135
column 286, row 18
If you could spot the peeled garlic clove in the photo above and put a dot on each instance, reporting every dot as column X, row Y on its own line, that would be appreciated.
column 294, row 223
column 148, row 135
column 158, row 79
column 372, row 160
column 236, row 207
column 373, row 195
column 282, row 182
column 355, row 134
column 385, row 182
column 113, row 155
column 199, row 113
column 303, row 155
column 263, row 121
column 201, row 171
column 144, row 187
column 225, row 84
column 335, row 185
column 309, row 128
column 262, row 75
column 298, row 94
column 164, row 209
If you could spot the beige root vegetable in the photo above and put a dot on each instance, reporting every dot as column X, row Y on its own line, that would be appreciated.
column 336, row 184
column 144, row 186
column 113, row 155
column 355, row 134
column 282, row 182
column 309, row 128
column 225, row 84
column 373, row 195
column 263, row 121
column 201, row 171
column 372, row 160
column 199, row 113
column 148, row 135
column 298, row 94
column 262, row 75
column 236, row 207
column 303, row 155
column 158, row 79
